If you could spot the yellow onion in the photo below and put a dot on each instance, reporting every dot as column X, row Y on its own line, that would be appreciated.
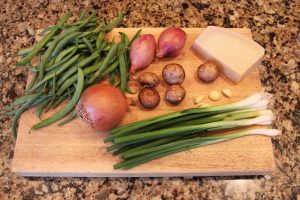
column 170, row 42
column 142, row 52
column 102, row 106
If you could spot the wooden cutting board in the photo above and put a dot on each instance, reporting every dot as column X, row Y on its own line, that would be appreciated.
column 76, row 150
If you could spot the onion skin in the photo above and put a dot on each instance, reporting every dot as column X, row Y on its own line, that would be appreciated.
column 170, row 42
column 102, row 106
column 142, row 52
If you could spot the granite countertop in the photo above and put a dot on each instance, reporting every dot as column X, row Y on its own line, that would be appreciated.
column 274, row 25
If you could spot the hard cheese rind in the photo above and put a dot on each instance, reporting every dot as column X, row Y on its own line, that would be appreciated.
column 234, row 53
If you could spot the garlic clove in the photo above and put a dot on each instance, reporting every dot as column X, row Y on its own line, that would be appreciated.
column 198, row 99
column 134, row 86
column 214, row 95
column 227, row 93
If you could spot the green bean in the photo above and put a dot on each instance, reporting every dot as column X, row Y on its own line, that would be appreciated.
column 51, row 28
column 100, row 40
column 105, row 46
column 59, row 71
column 83, row 14
column 75, row 24
column 117, row 82
column 87, row 60
column 73, row 79
column 65, row 52
column 128, row 90
column 46, row 30
column 112, row 78
column 58, row 101
column 51, row 61
column 79, row 22
column 126, row 51
column 69, row 93
column 62, row 43
column 39, row 110
column 136, row 35
column 9, row 113
column 20, row 100
column 26, row 51
column 85, row 34
column 88, row 44
column 32, row 82
column 106, row 62
column 55, row 65
column 57, row 41
column 21, row 110
column 54, row 84
column 43, row 41
column 91, row 17
column 110, row 69
column 115, row 22
column 65, row 110
column 50, row 104
column 124, row 39
column 80, row 64
column 123, row 73
column 72, row 116
column 30, row 67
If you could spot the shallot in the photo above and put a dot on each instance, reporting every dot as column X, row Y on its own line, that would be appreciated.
column 142, row 52
column 170, row 42
column 102, row 106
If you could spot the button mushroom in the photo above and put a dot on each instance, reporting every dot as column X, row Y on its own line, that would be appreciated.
column 173, row 74
column 208, row 72
column 148, row 79
column 149, row 98
column 175, row 94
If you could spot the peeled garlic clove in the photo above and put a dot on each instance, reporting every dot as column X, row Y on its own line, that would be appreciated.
column 142, row 52
column 227, row 93
column 170, row 42
column 134, row 86
column 198, row 99
column 214, row 95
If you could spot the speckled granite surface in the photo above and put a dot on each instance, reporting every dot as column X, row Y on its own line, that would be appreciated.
column 274, row 25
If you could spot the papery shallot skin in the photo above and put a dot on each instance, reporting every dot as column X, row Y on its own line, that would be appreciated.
column 142, row 52
column 170, row 42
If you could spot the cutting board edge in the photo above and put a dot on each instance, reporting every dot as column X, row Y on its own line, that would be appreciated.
column 148, row 174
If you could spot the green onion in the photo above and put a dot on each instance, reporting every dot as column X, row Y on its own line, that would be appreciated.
column 251, row 102
column 142, row 156
column 159, row 136
column 261, row 120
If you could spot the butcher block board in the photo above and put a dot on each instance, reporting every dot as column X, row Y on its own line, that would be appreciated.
column 77, row 151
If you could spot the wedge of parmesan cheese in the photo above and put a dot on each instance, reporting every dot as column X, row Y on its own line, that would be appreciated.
column 234, row 53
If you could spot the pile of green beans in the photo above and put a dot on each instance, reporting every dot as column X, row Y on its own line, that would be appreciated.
column 70, row 58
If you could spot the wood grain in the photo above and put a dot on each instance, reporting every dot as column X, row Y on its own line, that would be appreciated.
column 76, row 150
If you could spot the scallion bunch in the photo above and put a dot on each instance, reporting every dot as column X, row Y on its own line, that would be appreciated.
column 148, row 139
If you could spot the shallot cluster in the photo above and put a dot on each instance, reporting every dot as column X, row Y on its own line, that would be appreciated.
column 142, row 51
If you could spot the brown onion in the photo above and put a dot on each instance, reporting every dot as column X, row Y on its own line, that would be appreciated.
column 142, row 52
column 102, row 106
column 170, row 42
